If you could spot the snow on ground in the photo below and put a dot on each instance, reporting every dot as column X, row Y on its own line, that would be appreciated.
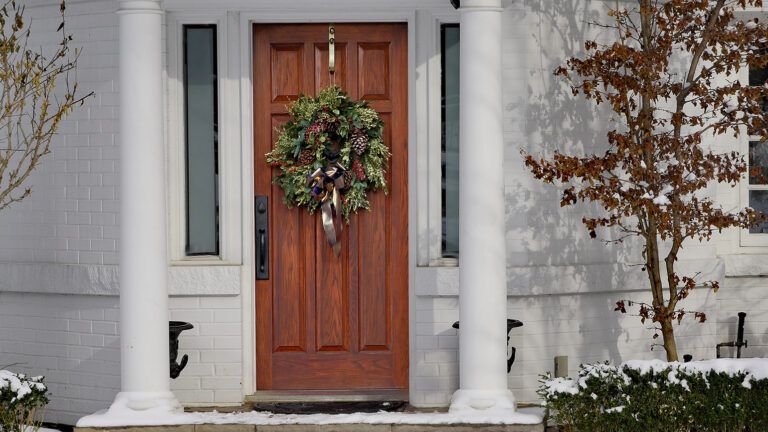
column 161, row 409
column 113, row 419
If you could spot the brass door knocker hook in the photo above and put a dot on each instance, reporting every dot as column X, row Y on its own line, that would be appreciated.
column 331, row 49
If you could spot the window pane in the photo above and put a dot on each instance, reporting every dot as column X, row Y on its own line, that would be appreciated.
column 758, row 200
column 201, row 118
column 758, row 77
column 758, row 162
column 450, row 139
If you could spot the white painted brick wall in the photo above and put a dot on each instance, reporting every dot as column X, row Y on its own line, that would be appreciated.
column 71, row 340
column 750, row 295
column 71, row 216
column 74, row 342
column 213, row 375
column 583, row 327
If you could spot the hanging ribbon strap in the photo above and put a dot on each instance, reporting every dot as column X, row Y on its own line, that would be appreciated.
column 325, row 185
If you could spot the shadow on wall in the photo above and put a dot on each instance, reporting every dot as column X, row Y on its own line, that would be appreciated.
column 542, row 236
column 540, row 231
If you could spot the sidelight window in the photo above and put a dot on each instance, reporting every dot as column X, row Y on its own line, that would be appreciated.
column 201, row 129
column 449, row 164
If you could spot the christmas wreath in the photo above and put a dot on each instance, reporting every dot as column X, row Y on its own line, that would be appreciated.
column 329, row 155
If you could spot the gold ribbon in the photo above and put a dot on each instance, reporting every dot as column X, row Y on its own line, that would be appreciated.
column 325, row 185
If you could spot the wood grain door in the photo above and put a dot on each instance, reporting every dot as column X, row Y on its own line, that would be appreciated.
column 327, row 322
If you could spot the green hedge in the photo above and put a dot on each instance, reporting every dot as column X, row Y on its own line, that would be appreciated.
column 20, row 398
column 719, row 395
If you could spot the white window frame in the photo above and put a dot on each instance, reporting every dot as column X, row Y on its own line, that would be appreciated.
column 747, row 239
column 229, row 188
column 431, row 253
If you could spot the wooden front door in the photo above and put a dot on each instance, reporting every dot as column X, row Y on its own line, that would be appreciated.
column 327, row 322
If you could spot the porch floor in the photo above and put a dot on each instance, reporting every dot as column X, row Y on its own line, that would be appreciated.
column 360, row 427
column 524, row 420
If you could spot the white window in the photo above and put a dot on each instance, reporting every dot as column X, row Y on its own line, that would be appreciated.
column 449, row 166
column 201, row 128
column 203, row 141
column 754, row 188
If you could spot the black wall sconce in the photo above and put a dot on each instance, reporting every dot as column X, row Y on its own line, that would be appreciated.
column 456, row 4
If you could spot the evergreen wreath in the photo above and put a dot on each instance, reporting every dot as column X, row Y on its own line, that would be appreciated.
column 330, row 131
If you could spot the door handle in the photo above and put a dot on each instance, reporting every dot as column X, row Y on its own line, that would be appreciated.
column 262, row 250
column 261, row 217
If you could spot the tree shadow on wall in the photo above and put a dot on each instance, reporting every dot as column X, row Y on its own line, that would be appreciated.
column 549, row 250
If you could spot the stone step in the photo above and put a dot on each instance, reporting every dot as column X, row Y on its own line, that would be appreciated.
column 324, row 428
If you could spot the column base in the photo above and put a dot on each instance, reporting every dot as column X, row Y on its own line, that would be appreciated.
column 136, row 409
column 488, row 402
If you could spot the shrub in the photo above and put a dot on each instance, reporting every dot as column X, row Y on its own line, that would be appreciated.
column 20, row 397
column 716, row 395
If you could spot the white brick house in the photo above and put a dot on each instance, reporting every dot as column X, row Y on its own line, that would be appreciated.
column 83, row 239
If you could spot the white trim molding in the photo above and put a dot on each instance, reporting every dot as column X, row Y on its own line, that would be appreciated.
column 103, row 280
column 229, row 146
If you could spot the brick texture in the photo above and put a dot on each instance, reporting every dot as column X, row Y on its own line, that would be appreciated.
column 74, row 342
column 71, row 217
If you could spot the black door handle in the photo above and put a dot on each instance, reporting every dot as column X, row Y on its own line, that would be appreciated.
column 261, row 217
column 262, row 250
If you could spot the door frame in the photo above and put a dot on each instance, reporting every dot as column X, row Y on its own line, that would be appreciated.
column 235, row 19
column 247, row 21
column 385, row 367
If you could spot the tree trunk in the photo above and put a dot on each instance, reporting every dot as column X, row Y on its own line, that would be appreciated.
column 653, row 267
column 669, row 340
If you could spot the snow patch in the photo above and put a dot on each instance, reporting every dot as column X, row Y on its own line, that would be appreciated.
column 617, row 409
column 560, row 385
column 19, row 384
column 753, row 368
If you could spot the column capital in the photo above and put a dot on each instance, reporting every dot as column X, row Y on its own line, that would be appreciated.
column 473, row 5
column 138, row 6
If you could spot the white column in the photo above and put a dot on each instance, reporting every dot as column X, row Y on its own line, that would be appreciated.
column 145, row 382
column 483, row 294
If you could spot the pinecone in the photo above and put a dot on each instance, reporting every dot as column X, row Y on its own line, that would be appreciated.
column 306, row 157
column 348, row 178
column 323, row 125
column 314, row 130
column 359, row 141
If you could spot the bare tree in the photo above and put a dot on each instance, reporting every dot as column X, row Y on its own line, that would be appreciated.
column 650, row 178
column 31, row 108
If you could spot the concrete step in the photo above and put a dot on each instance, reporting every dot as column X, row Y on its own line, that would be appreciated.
column 324, row 428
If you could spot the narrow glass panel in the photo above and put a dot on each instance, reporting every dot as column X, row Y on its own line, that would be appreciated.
column 450, row 139
column 758, row 162
column 758, row 200
column 201, row 121
column 759, row 77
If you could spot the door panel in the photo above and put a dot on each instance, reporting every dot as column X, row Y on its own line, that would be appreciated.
column 327, row 322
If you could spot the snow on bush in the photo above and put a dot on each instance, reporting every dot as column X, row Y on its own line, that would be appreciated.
column 712, row 395
column 20, row 397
